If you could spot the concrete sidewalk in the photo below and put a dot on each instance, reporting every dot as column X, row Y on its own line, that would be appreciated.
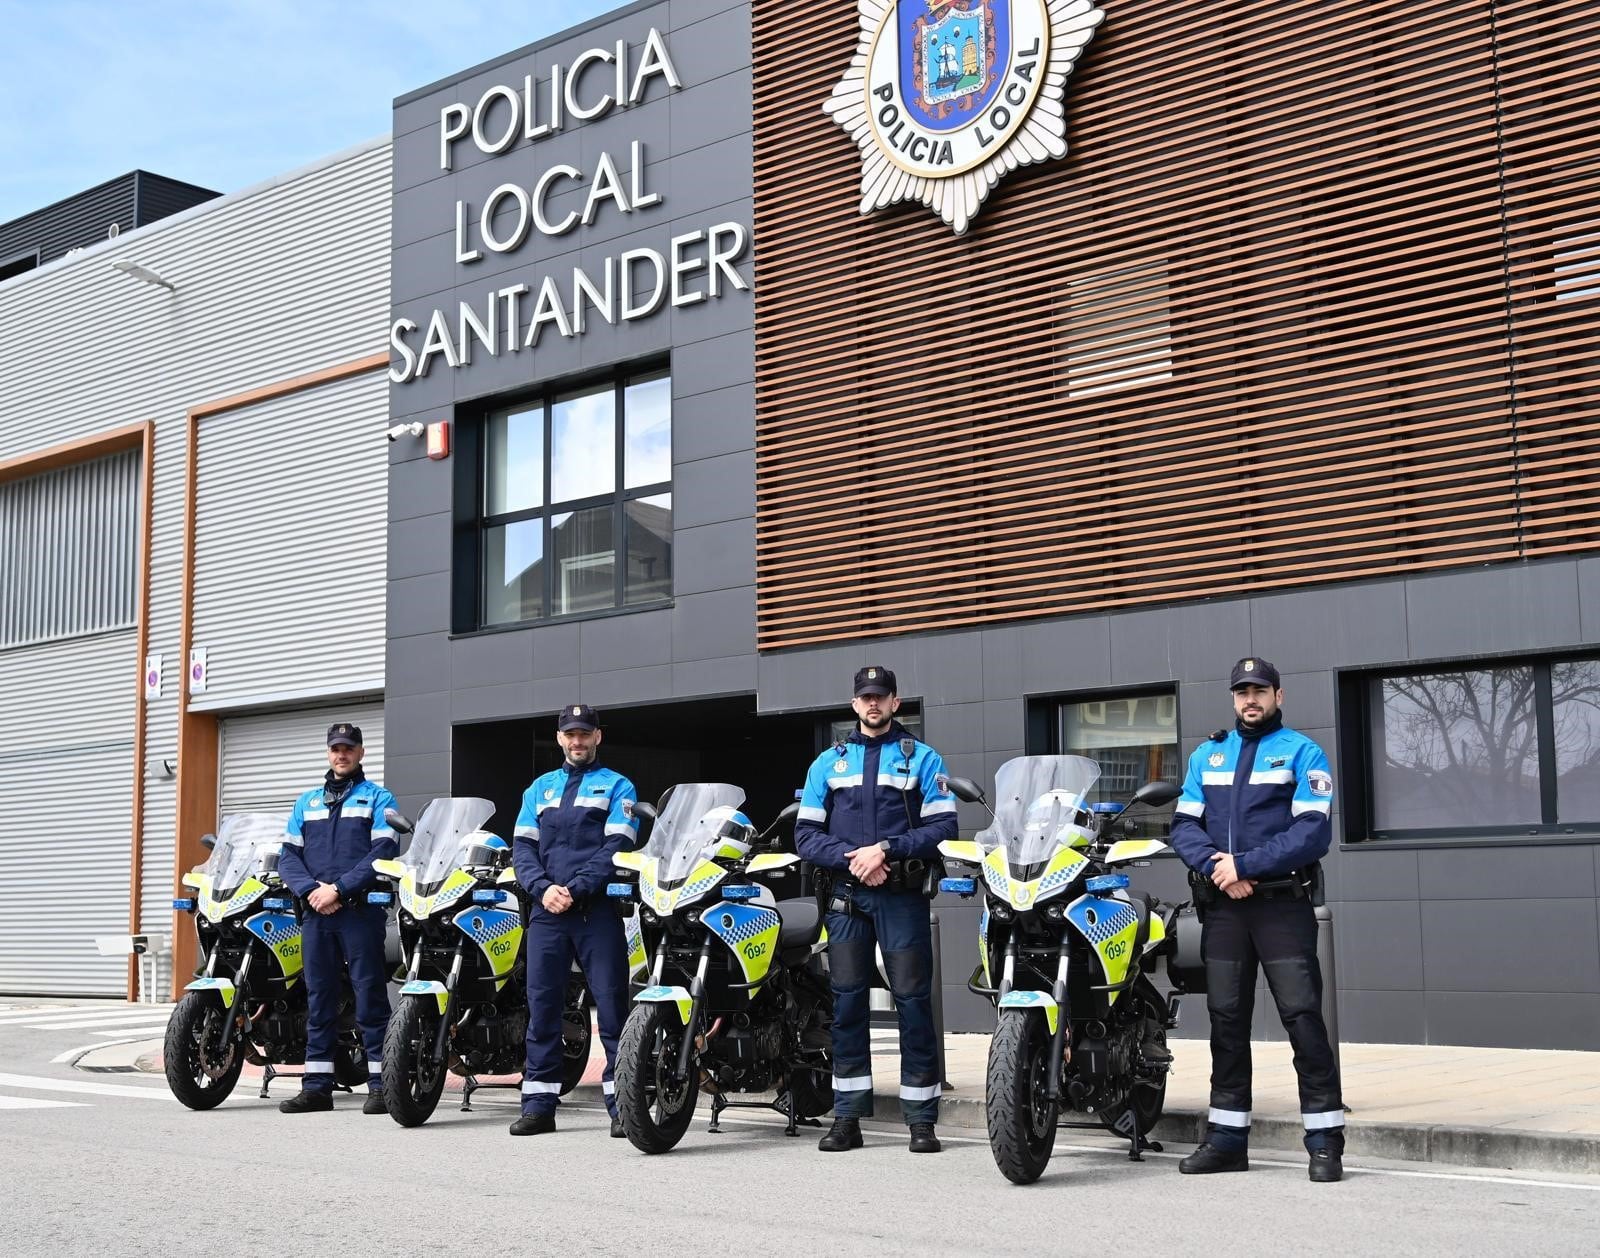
column 1516, row 1109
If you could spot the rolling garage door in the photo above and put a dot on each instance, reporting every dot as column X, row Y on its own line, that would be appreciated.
column 269, row 759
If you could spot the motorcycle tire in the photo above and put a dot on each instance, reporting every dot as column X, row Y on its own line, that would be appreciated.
column 412, row 1080
column 577, row 1034
column 349, row 1065
column 813, row 1092
column 195, row 1079
column 1022, row 1116
column 655, row 1112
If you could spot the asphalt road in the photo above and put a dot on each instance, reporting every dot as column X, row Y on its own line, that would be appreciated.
column 110, row 1164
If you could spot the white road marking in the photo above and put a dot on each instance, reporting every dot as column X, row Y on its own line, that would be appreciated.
column 108, row 1018
column 37, row 1083
column 36, row 1102
column 72, row 1054
column 135, row 1032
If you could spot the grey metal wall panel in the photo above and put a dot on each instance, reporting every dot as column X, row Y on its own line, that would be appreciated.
column 267, row 759
column 290, row 543
column 272, row 284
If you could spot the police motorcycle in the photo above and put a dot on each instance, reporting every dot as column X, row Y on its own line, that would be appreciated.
column 249, row 1004
column 1066, row 953
column 738, row 1001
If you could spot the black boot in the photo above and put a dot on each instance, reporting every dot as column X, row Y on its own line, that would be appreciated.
column 617, row 1132
column 306, row 1102
column 1208, row 1160
column 534, row 1125
column 844, row 1134
column 1327, row 1167
column 374, row 1104
column 923, row 1140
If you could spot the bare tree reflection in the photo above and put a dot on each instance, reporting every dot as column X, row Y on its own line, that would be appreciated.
column 1575, row 696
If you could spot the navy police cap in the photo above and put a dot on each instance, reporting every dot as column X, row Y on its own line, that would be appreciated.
column 1253, row 671
column 577, row 716
column 345, row 734
column 875, row 681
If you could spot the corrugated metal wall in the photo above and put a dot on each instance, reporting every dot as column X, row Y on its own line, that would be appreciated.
column 290, row 544
column 288, row 279
column 66, row 795
column 270, row 758
column 1314, row 295
column 83, row 581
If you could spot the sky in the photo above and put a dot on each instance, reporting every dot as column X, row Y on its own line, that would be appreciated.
column 225, row 93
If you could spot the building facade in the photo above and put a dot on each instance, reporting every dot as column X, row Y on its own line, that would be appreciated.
column 1290, row 355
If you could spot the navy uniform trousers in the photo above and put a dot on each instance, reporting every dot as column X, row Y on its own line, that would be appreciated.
column 1280, row 935
column 900, row 923
column 351, row 937
column 594, row 935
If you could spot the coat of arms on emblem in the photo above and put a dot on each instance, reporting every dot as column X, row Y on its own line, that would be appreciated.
column 943, row 97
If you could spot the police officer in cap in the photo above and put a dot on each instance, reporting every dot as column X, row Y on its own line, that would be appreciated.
column 1252, row 826
column 335, row 833
column 573, row 821
column 872, row 817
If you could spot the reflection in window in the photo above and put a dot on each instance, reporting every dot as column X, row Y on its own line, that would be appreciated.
column 1575, row 706
column 1134, row 739
column 602, row 457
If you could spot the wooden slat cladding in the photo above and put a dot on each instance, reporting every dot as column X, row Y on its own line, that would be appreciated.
column 1314, row 296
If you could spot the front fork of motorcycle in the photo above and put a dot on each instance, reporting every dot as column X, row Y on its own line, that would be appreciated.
column 231, row 1022
column 449, row 1002
column 1058, row 1041
column 697, row 990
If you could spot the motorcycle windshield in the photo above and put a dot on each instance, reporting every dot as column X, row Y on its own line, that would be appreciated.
column 436, row 844
column 1037, row 802
column 242, row 840
column 683, row 835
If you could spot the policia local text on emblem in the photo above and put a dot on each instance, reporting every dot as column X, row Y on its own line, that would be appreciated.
column 943, row 97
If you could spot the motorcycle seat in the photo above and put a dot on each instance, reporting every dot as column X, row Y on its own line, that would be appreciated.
column 802, row 924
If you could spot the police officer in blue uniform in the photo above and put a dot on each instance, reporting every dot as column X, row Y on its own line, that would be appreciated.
column 1252, row 825
column 872, row 817
column 573, row 821
column 335, row 833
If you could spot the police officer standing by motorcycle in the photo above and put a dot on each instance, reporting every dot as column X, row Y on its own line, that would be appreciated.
column 872, row 816
column 573, row 821
column 1252, row 825
column 334, row 834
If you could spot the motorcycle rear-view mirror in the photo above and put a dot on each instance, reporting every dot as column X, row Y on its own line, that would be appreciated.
column 398, row 821
column 645, row 810
column 789, row 813
column 1156, row 794
column 208, row 841
column 964, row 789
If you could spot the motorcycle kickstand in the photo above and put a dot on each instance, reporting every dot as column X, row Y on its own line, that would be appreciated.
column 267, row 1076
column 793, row 1129
column 718, row 1104
column 469, row 1085
column 1137, row 1142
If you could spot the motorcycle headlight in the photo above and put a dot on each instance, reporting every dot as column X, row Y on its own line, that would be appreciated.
column 648, row 916
column 1000, row 911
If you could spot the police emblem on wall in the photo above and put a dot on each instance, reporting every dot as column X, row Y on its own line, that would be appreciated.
column 944, row 97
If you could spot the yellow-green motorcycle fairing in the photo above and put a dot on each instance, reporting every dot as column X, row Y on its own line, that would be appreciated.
column 768, row 862
column 1034, row 1000
column 751, row 933
column 1110, row 926
column 638, row 960
column 280, row 932
column 983, row 947
column 498, row 934
column 1133, row 850
column 427, row 987
column 666, row 901
column 214, row 910
column 1059, row 873
column 222, row 986
column 456, row 885
column 663, row 995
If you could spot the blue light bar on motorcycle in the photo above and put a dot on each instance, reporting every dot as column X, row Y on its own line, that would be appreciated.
column 1107, row 805
column 184, row 905
column 487, row 895
column 958, row 886
column 740, row 892
column 277, row 902
column 380, row 897
column 619, row 890
column 1106, row 882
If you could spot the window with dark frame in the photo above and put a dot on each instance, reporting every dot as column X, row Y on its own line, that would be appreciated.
column 1132, row 735
column 1497, row 749
column 576, row 510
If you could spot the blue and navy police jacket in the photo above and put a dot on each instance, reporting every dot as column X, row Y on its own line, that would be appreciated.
column 337, row 843
column 865, row 790
column 573, row 821
column 1263, row 798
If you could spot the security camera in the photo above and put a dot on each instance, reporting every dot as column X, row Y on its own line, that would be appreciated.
column 404, row 430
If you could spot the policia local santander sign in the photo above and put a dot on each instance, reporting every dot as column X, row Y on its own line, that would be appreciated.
column 697, row 266
column 944, row 97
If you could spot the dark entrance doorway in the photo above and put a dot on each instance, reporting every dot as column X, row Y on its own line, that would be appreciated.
column 658, row 746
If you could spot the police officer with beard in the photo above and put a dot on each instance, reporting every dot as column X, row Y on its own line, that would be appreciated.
column 1252, row 825
column 334, row 834
column 872, row 816
column 573, row 821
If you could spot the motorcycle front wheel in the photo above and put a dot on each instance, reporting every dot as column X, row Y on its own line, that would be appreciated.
column 655, row 1107
column 199, row 1075
column 1022, row 1113
column 576, row 1033
column 412, row 1079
